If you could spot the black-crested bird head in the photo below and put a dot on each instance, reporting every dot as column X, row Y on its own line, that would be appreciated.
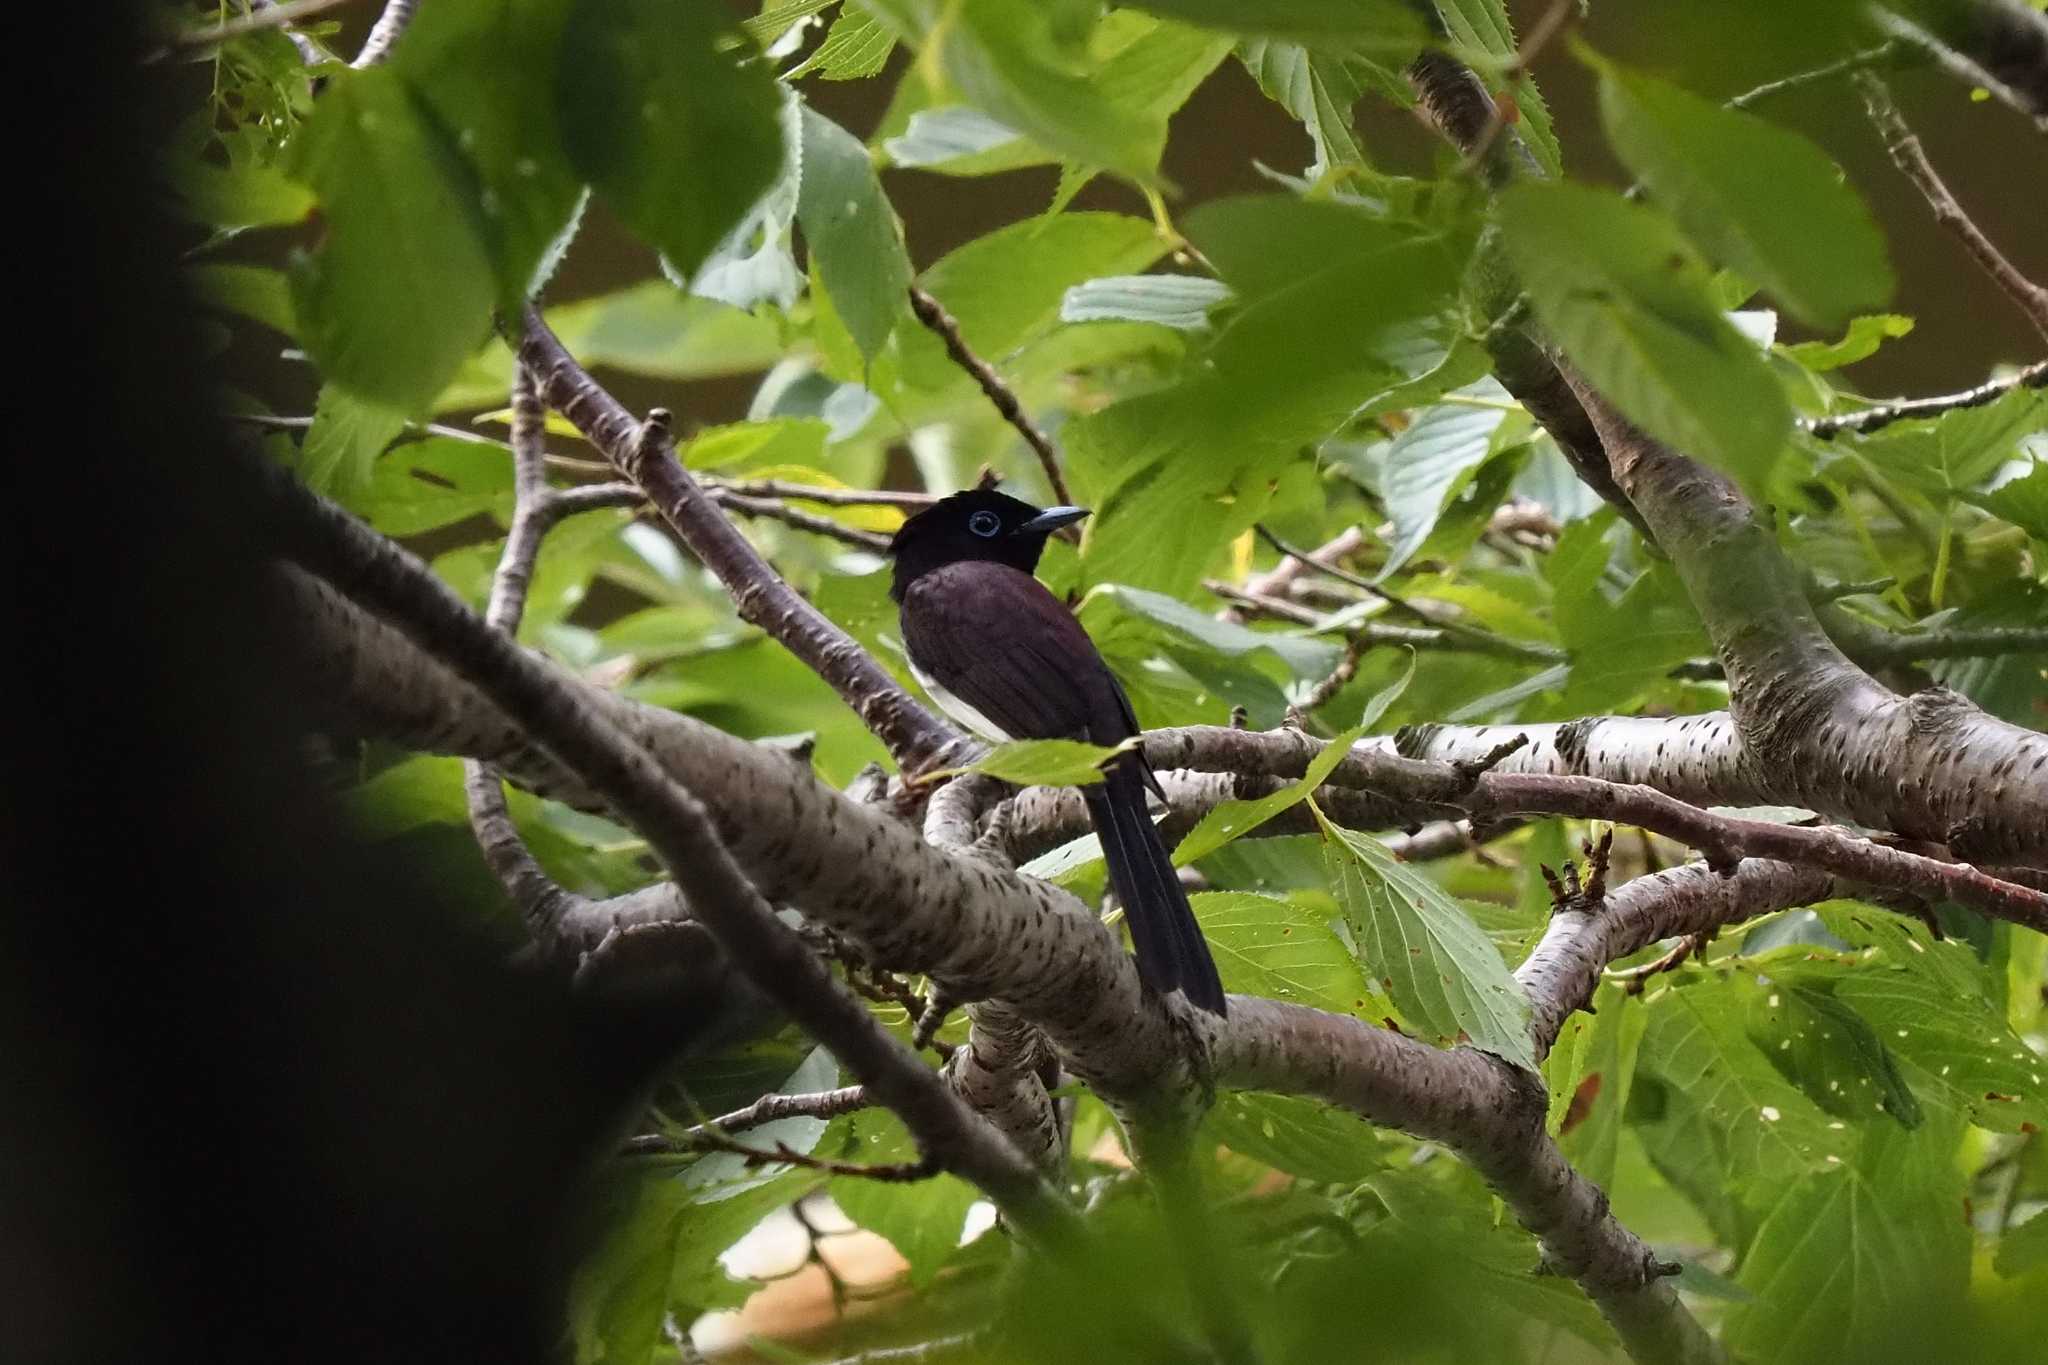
column 979, row 524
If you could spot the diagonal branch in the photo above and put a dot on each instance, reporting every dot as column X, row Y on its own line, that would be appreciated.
column 646, row 455
column 1562, row 972
column 681, row 832
column 941, row 323
column 1903, row 145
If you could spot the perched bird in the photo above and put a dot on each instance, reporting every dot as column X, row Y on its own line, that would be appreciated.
column 1005, row 658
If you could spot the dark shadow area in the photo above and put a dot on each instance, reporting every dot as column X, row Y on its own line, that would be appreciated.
column 260, row 1096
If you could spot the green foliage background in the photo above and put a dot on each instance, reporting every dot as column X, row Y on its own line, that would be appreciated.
column 1832, row 1121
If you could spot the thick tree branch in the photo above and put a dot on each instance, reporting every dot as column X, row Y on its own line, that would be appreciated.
column 646, row 455
column 981, row 933
column 1903, row 145
column 1454, row 101
column 679, row 829
column 1563, row 971
column 1930, row 765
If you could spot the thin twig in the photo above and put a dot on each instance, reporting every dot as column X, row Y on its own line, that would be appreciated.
column 1996, row 31
column 1553, row 22
column 828, row 497
column 1478, row 639
column 934, row 316
column 1437, row 635
column 816, row 1104
column 1855, row 61
column 2034, row 376
column 1344, row 672
column 781, row 1154
column 541, row 901
column 385, row 33
column 774, row 509
column 1909, row 156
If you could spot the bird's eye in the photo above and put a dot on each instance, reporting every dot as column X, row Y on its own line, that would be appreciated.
column 984, row 523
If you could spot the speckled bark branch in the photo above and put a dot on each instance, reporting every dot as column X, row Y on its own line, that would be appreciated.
column 1562, row 972
column 386, row 32
column 1930, row 765
column 680, row 830
column 918, row 739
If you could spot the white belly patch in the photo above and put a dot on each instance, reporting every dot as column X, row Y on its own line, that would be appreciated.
column 958, row 709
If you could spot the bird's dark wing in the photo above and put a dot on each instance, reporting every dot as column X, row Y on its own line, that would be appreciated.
column 999, row 642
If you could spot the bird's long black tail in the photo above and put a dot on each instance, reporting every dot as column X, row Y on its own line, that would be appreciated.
column 1172, row 954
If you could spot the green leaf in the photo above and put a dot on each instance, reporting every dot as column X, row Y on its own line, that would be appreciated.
column 1958, row 450
column 234, row 198
column 1627, row 298
column 1592, row 1071
column 1859, row 342
column 251, row 291
column 1484, row 24
column 1443, row 973
column 347, row 435
column 1280, row 950
column 1753, row 196
column 1347, row 24
column 851, row 233
column 401, row 289
column 1293, row 363
column 1233, row 819
column 1866, row 1259
column 1302, row 1137
column 1044, row 762
column 857, row 46
column 1432, row 460
column 2024, row 1248
column 1181, row 302
column 1956, row 1049
column 1765, row 1127
column 678, row 137
column 1319, row 89
column 922, row 1219
column 1020, row 63
column 2023, row 501
column 481, row 70
column 747, row 445
column 1005, row 287
column 436, row 482
column 1823, row 1045
column 961, row 140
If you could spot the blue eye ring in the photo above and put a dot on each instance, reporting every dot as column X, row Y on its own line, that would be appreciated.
column 985, row 524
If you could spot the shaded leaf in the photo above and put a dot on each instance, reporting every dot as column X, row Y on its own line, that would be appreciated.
column 400, row 290
column 679, row 138
column 1628, row 300
column 1753, row 196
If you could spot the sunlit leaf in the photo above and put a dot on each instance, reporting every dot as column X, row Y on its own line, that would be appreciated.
column 1425, row 951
